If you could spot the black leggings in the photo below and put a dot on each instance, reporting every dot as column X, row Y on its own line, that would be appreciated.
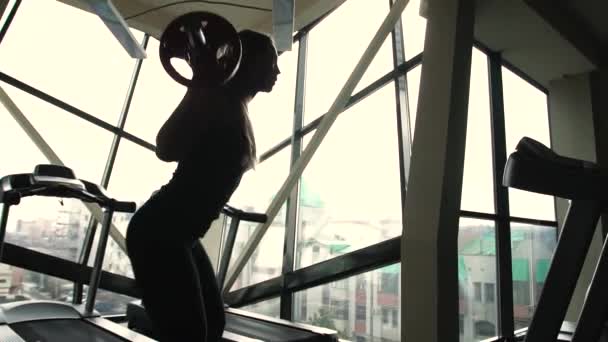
column 173, row 271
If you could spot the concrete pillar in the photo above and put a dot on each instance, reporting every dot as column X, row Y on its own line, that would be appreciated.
column 599, row 104
column 572, row 134
column 429, row 251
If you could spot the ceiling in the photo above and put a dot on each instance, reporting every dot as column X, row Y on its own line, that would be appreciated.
column 259, row 19
column 593, row 12
column 546, row 39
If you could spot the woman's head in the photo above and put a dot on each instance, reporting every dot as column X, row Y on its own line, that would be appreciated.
column 258, row 69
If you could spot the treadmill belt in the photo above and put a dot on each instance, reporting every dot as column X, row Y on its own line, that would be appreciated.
column 65, row 330
column 266, row 331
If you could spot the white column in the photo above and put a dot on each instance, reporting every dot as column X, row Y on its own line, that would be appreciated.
column 429, row 252
column 572, row 135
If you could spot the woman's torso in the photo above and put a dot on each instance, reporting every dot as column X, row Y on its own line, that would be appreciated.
column 205, row 179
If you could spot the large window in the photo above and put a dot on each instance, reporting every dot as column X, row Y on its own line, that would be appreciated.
column 156, row 96
column 526, row 114
column 414, row 29
column 476, row 277
column 477, row 183
column 81, row 146
column 366, row 308
column 50, row 225
column 335, row 47
column 70, row 54
column 137, row 174
column 255, row 193
column 350, row 194
column 532, row 248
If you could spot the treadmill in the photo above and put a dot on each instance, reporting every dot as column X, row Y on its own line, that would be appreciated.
column 536, row 168
column 242, row 323
column 52, row 321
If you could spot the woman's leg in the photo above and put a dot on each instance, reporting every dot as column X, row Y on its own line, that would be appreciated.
column 212, row 297
column 168, row 277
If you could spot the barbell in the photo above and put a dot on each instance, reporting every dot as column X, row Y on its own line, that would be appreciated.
column 207, row 42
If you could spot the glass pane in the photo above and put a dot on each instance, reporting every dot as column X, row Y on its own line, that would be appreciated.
column 80, row 145
column 526, row 114
column 477, row 280
column 266, row 262
column 254, row 194
column 350, row 193
column 16, row 160
column 332, row 55
column 477, row 183
column 156, row 96
column 532, row 249
column 271, row 307
column 84, row 65
column 49, row 225
column 137, row 174
column 18, row 284
column 272, row 113
column 115, row 259
column 413, row 89
column 43, row 223
column 365, row 307
column 414, row 29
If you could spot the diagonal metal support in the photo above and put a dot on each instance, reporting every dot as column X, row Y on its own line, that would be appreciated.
column 52, row 157
column 110, row 16
column 298, row 168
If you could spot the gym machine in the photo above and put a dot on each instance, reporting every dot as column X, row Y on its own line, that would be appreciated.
column 536, row 168
column 37, row 320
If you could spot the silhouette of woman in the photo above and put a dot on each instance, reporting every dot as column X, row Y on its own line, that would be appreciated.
column 210, row 136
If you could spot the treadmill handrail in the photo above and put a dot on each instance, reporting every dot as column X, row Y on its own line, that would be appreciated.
column 537, row 149
column 17, row 186
column 244, row 215
column 536, row 168
column 278, row 321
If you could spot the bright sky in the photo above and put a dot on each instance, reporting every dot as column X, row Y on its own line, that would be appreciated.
column 355, row 171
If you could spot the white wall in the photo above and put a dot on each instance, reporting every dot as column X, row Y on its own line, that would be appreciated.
column 572, row 135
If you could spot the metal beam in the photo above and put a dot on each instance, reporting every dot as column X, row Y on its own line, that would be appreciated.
column 283, row 12
column 57, row 267
column 293, row 202
column 73, row 110
column 264, row 290
column 52, row 157
column 107, row 173
column 9, row 18
column 341, row 267
column 338, row 106
column 402, row 69
column 404, row 129
column 501, row 200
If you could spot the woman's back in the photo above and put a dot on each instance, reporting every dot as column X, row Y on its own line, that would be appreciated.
column 212, row 143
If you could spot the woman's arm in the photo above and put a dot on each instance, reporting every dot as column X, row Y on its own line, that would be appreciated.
column 178, row 134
